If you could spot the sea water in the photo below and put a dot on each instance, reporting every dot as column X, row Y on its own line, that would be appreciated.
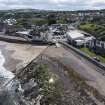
column 8, row 95
column 11, row 92
column 3, row 72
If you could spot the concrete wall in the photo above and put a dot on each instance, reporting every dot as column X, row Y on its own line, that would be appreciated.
column 98, row 64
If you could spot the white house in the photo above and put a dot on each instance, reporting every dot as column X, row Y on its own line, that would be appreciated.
column 74, row 35
column 10, row 21
column 79, row 42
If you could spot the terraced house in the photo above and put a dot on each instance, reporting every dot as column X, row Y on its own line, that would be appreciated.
column 98, row 46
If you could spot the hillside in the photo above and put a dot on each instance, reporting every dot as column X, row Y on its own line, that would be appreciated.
column 95, row 29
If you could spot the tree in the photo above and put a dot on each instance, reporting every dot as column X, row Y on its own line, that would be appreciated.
column 51, row 19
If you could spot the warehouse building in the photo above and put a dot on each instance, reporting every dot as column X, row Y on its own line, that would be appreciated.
column 74, row 36
column 78, row 39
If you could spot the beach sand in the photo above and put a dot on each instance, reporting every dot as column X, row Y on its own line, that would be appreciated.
column 19, row 54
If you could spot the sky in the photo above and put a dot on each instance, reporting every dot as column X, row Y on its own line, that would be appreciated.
column 52, row 4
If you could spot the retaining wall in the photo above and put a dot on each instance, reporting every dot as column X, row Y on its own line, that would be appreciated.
column 98, row 64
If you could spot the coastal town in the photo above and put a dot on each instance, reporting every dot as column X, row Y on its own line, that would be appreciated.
column 52, row 57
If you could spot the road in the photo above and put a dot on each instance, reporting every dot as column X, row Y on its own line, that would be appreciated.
column 85, row 68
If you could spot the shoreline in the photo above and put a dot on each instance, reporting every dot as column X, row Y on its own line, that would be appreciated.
column 17, row 55
column 5, row 75
column 10, row 62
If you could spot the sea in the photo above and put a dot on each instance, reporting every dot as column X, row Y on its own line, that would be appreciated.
column 8, row 85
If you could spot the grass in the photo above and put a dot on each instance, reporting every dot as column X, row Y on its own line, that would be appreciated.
column 93, row 54
column 81, row 84
column 94, row 29
column 88, row 26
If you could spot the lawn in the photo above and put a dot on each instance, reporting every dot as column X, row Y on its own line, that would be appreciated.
column 93, row 54
column 87, row 26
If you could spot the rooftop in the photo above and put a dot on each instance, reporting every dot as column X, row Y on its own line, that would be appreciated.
column 23, row 32
column 75, row 34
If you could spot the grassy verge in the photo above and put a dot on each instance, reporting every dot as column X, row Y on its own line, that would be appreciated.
column 87, row 26
column 93, row 54
column 82, row 86
column 80, row 83
column 96, row 30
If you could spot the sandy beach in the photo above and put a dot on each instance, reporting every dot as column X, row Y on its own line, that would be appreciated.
column 19, row 54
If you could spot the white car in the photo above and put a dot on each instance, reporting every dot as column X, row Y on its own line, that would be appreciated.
column 97, row 59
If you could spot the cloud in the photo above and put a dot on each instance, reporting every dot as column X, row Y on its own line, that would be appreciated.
column 53, row 4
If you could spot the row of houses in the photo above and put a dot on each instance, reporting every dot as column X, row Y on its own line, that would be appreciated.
column 54, row 33
column 37, row 37
column 43, row 36
column 57, row 36
column 51, row 33
column 97, row 46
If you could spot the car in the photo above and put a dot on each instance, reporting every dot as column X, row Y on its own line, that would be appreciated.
column 96, row 58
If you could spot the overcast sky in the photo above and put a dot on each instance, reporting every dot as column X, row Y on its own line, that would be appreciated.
column 53, row 4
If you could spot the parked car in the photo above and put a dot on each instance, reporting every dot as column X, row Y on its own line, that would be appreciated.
column 96, row 58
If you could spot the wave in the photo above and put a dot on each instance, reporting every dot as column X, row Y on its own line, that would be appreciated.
column 3, row 72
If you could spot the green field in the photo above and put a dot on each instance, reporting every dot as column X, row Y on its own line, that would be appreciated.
column 96, row 30
column 93, row 54
column 87, row 26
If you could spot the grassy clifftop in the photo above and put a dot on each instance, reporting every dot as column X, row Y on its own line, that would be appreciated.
column 95, row 29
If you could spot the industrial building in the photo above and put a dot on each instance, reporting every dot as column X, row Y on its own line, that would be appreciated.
column 77, row 38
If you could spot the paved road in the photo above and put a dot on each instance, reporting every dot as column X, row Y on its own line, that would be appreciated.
column 79, row 64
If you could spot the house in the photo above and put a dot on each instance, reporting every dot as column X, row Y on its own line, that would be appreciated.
column 74, row 35
column 38, row 27
column 3, row 28
column 97, row 46
column 31, row 37
column 79, row 42
column 55, row 26
column 38, row 37
column 23, row 34
column 83, row 42
column 63, row 27
column 10, row 21
column 56, row 36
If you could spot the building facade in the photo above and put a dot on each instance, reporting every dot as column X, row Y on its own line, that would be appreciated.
column 97, row 46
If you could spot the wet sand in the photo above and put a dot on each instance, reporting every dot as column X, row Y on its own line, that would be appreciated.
column 10, row 63
column 19, row 54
